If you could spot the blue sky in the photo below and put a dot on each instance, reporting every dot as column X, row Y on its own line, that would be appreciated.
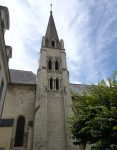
column 88, row 28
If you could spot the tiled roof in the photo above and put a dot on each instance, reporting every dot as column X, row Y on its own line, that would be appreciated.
column 51, row 31
column 77, row 88
column 22, row 77
column 28, row 77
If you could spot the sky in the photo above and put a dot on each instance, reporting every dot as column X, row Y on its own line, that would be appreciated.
column 88, row 28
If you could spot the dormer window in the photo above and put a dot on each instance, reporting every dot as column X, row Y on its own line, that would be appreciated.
column 53, row 43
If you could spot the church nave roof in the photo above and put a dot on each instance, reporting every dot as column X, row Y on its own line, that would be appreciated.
column 28, row 77
column 22, row 77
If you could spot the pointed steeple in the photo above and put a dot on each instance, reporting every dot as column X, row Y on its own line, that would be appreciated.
column 51, row 31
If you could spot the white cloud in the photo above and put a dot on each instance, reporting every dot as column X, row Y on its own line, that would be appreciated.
column 85, row 26
column 76, row 82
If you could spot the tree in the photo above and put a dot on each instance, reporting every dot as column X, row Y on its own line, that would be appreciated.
column 95, row 116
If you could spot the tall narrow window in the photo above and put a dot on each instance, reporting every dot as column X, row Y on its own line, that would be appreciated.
column 50, row 65
column 56, row 65
column 51, row 80
column 1, row 89
column 19, row 132
column 57, row 84
column 53, row 44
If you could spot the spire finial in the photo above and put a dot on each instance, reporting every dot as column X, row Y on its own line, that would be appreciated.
column 51, row 8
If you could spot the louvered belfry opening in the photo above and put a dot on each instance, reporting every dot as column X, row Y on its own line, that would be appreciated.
column 53, row 44
column 19, row 132
column 50, row 65
column 56, row 65
column 51, row 80
column 57, row 85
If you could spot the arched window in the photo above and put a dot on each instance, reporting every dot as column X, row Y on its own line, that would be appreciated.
column 56, row 65
column 57, row 84
column 53, row 43
column 1, row 89
column 50, row 65
column 19, row 132
column 51, row 80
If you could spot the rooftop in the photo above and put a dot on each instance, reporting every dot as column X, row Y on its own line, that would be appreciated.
column 28, row 77
column 22, row 77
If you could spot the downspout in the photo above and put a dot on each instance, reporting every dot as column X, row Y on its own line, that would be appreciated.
column 33, row 121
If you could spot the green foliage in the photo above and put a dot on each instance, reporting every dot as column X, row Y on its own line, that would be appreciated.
column 95, row 116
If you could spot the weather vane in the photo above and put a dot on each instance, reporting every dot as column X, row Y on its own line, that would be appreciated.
column 51, row 7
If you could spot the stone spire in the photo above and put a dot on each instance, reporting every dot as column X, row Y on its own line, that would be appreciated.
column 51, row 31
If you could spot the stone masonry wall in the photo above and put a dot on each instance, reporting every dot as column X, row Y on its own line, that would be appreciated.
column 40, row 124
column 5, row 136
column 18, row 103
column 56, row 131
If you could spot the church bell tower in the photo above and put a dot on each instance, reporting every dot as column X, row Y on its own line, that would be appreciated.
column 53, row 95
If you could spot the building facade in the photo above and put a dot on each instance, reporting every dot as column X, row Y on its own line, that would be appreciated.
column 5, row 55
column 53, row 94
column 36, row 105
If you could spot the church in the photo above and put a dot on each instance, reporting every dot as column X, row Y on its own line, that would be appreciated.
column 36, row 106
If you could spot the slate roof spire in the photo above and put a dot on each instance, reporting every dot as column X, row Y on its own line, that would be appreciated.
column 51, row 31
